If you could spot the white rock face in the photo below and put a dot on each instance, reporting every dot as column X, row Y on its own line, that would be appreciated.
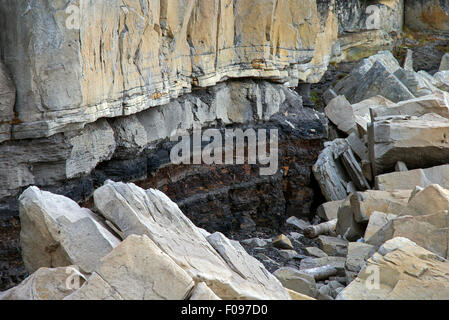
column 45, row 284
column 137, row 270
column 56, row 232
column 152, row 213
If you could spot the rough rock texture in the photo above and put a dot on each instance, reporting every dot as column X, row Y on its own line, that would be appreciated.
column 404, row 271
column 138, row 270
column 150, row 51
column 7, row 101
column 418, row 177
column 56, row 232
column 418, row 142
column 152, row 213
column 45, row 284
column 427, row 15
column 221, row 198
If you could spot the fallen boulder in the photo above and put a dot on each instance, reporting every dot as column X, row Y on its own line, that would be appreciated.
column 418, row 142
column 152, row 213
column 437, row 103
column 377, row 220
column 412, row 178
column 57, row 232
column 297, row 281
column 400, row 270
column 138, row 270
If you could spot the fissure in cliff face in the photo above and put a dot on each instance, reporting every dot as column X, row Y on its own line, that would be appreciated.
column 93, row 90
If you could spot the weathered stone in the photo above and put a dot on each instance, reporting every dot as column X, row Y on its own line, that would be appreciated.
column 362, row 112
column 405, row 271
column 138, row 270
column 377, row 220
column 322, row 273
column 254, row 242
column 152, row 213
column 347, row 226
column 246, row 266
column 427, row 15
column 325, row 228
column 340, row 112
column 7, row 101
column 45, row 284
column 95, row 288
column 437, row 103
column 358, row 253
column 333, row 246
column 298, row 223
column 56, row 232
column 95, row 144
column 315, row 252
column 396, row 140
column 418, row 177
column 80, row 82
column 297, row 281
column 328, row 211
column 374, row 76
column 442, row 79
column 429, row 231
column 203, row 292
column 289, row 254
column 432, row 199
column 367, row 170
column 444, row 62
column 334, row 262
column 358, row 146
column 414, row 82
column 282, row 242
column 329, row 171
column 365, row 203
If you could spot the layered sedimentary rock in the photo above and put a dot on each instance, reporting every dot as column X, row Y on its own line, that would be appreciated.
column 75, row 64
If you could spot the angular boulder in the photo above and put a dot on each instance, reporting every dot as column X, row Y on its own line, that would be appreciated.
column 418, row 142
column 412, row 178
column 57, row 232
column 138, row 270
column 152, row 213
column 401, row 270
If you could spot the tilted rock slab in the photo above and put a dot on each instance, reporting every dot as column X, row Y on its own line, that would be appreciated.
column 136, row 270
column 56, row 232
column 418, row 177
column 401, row 270
column 152, row 213
column 437, row 103
column 424, row 220
column 418, row 142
